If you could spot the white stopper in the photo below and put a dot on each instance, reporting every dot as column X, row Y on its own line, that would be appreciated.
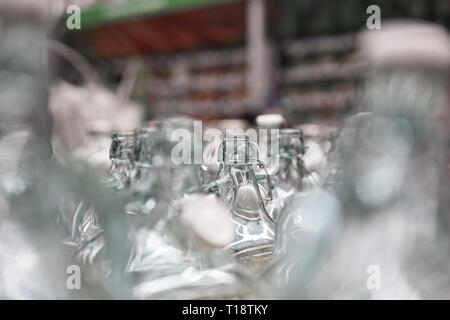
column 407, row 42
column 270, row 120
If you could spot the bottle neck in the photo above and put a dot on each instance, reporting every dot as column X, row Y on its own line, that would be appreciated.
column 121, row 147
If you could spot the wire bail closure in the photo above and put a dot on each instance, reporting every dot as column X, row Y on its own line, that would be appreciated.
column 236, row 151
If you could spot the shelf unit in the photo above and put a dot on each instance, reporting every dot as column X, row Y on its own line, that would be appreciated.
column 219, row 58
column 203, row 56
column 209, row 84
column 321, row 76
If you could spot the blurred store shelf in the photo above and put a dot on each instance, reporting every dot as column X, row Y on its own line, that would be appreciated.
column 235, row 58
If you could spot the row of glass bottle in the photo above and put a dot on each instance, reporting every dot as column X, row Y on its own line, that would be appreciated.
column 185, row 239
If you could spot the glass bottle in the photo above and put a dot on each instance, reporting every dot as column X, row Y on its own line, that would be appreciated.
column 210, row 166
column 94, row 223
column 246, row 199
column 150, row 177
column 186, row 261
column 288, row 178
column 86, row 224
column 152, row 191
column 388, row 181
column 119, row 153
column 182, row 138
column 269, row 126
column 307, row 225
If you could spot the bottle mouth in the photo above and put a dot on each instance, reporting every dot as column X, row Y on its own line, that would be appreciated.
column 291, row 132
column 121, row 146
column 238, row 150
column 144, row 130
column 146, row 139
column 122, row 135
column 291, row 143
column 120, row 160
column 144, row 134
column 270, row 121
column 125, row 139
